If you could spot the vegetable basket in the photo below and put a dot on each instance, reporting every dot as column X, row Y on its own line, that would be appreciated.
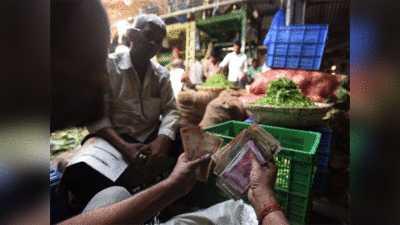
column 288, row 116
column 210, row 88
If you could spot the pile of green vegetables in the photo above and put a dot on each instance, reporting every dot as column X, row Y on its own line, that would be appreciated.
column 218, row 81
column 284, row 92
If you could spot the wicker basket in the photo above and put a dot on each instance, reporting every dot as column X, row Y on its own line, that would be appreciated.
column 288, row 116
column 210, row 88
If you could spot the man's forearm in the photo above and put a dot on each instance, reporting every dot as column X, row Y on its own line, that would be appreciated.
column 135, row 210
column 112, row 137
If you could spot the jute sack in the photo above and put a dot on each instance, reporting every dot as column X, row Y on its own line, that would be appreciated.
column 192, row 105
column 317, row 85
column 222, row 109
column 232, row 92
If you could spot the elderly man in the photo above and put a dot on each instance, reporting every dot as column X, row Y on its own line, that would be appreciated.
column 139, row 91
column 142, row 118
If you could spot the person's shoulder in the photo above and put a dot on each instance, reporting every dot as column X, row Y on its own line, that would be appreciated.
column 159, row 70
column 118, row 60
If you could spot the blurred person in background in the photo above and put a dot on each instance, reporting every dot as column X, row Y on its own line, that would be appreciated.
column 212, row 66
column 175, row 75
column 194, row 75
column 237, row 65
column 262, row 58
column 253, row 70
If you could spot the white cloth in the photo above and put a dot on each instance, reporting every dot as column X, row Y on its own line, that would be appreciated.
column 175, row 75
column 227, row 212
column 265, row 68
column 135, row 108
column 237, row 64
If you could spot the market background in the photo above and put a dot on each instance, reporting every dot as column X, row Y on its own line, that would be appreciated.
column 25, row 125
column 333, row 205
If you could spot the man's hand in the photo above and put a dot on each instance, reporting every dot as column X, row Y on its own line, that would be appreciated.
column 243, row 77
column 248, row 79
column 159, row 151
column 132, row 151
column 262, row 183
column 183, row 177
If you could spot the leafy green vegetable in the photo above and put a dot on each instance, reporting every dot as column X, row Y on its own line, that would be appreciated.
column 66, row 140
column 218, row 81
column 284, row 92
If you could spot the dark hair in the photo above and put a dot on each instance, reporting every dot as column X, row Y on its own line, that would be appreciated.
column 238, row 43
column 214, row 54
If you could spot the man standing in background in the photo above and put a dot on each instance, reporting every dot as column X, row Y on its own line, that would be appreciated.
column 237, row 65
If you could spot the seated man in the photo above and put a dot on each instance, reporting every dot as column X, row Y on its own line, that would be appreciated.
column 138, row 93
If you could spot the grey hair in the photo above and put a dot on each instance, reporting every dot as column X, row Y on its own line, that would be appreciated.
column 142, row 19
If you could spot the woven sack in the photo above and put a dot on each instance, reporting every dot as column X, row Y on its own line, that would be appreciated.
column 223, row 109
column 317, row 85
column 192, row 105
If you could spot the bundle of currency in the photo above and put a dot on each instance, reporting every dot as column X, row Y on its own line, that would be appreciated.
column 233, row 165
column 197, row 143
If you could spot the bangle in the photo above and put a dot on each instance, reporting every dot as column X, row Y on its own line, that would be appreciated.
column 268, row 209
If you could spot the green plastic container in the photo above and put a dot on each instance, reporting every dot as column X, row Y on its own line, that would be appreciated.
column 297, row 164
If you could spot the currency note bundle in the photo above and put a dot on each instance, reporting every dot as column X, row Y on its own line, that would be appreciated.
column 197, row 143
column 232, row 162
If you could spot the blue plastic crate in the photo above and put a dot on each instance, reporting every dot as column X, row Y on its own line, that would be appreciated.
column 59, row 206
column 323, row 160
column 55, row 177
column 326, row 135
column 324, row 146
column 319, row 182
column 297, row 46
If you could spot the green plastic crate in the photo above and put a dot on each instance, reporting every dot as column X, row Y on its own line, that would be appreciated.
column 297, row 164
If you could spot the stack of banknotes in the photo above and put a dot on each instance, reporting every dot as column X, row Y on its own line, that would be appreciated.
column 231, row 163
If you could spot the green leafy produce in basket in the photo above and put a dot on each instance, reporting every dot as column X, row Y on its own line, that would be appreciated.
column 218, row 81
column 284, row 92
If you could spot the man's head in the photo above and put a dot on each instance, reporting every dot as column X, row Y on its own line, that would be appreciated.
column 148, row 32
column 177, row 63
column 214, row 57
column 253, row 62
column 80, row 37
column 236, row 46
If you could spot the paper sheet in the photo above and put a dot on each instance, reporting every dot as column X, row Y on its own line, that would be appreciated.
column 103, row 157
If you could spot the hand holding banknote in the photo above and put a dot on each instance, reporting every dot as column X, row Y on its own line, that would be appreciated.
column 183, row 176
column 262, row 182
